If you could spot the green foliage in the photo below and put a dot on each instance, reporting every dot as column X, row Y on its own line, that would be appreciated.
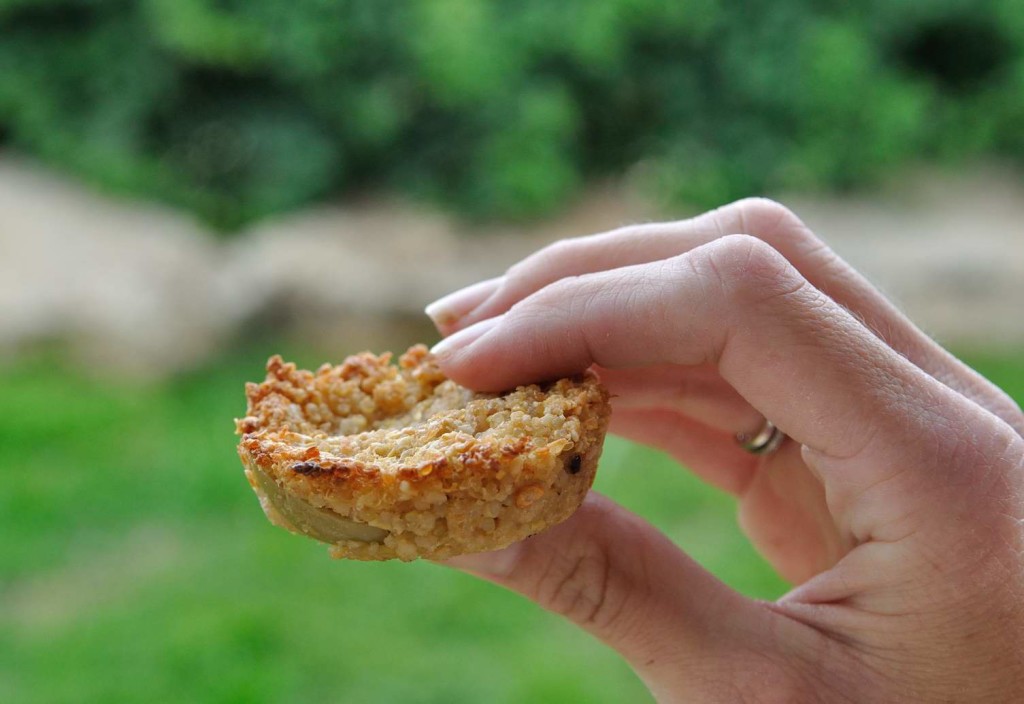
column 242, row 108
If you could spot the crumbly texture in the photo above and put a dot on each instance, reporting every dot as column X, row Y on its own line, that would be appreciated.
column 422, row 466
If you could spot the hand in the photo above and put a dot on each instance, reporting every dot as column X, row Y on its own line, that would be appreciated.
column 896, row 504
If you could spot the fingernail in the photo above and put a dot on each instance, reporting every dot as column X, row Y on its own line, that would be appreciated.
column 463, row 338
column 498, row 563
column 447, row 311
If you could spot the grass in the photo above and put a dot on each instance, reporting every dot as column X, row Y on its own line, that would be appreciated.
column 135, row 566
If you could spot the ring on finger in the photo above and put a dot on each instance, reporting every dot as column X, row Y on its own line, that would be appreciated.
column 764, row 441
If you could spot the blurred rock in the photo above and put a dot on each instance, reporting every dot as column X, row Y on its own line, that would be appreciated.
column 147, row 290
column 383, row 257
column 125, row 284
column 948, row 249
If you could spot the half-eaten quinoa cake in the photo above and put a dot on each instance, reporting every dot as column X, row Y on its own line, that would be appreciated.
column 383, row 461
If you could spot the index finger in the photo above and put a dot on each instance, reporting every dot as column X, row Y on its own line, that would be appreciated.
column 766, row 220
column 794, row 354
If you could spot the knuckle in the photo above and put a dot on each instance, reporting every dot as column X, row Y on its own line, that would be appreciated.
column 764, row 216
column 773, row 222
column 747, row 268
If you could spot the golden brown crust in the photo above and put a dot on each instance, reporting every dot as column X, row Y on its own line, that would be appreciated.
column 444, row 471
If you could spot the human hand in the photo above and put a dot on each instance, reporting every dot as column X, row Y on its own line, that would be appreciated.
column 896, row 503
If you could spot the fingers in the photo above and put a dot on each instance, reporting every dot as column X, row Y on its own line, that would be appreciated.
column 782, row 506
column 773, row 224
column 785, row 513
column 572, row 257
column 619, row 578
column 711, row 454
column 793, row 353
column 448, row 311
column 697, row 392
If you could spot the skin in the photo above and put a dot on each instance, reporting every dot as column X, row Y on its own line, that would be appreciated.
column 895, row 505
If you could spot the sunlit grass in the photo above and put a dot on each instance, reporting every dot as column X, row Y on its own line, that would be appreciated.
column 135, row 565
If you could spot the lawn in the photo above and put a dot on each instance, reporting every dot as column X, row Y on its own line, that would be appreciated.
column 136, row 566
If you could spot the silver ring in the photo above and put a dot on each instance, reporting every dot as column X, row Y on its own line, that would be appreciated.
column 764, row 442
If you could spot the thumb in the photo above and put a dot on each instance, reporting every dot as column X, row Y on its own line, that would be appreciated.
column 687, row 635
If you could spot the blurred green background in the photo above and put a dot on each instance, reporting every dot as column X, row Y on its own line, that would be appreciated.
column 237, row 109
column 135, row 564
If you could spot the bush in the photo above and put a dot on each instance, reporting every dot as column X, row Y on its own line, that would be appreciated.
column 241, row 108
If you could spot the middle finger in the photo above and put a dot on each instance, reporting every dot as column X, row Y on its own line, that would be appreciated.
column 778, row 227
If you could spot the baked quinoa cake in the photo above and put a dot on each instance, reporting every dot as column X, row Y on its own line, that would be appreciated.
column 385, row 461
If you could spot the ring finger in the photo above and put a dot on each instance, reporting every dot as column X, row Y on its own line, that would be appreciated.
column 698, row 393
